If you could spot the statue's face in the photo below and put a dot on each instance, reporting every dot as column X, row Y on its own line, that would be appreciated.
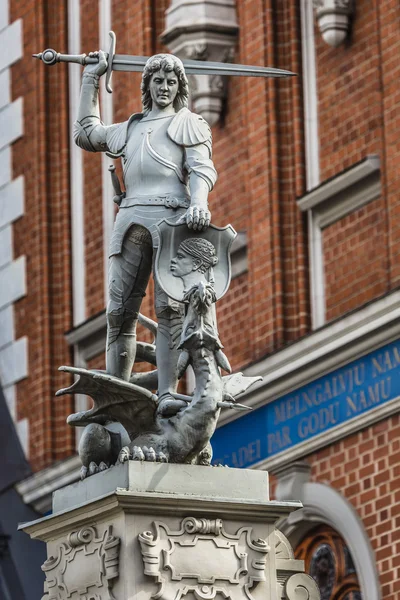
column 163, row 88
column 182, row 264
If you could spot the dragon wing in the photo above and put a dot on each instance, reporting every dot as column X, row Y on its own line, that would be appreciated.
column 238, row 383
column 113, row 399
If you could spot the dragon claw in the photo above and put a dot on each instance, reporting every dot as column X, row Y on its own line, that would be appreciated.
column 93, row 468
column 137, row 453
column 161, row 457
column 124, row 455
column 150, row 454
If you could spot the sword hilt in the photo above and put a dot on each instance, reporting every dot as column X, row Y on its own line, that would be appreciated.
column 110, row 59
column 50, row 57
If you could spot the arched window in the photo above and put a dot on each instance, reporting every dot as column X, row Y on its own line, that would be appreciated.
column 328, row 560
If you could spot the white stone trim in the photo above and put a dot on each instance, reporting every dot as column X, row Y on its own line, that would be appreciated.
column 239, row 254
column 13, row 282
column 4, row 15
column 325, row 205
column 11, row 200
column 13, row 353
column 310, row 94
column 336, row 197
column 14, row 362
column 5, row 95
column 5, row 246
column 76, row 173
column 38, row 489
column 324, row 505
column 22, row 428
column 106, row 101
column 311, row 138
column 10, row 396
column 317, row 271
column 323, row 351
column 11, row 123
column 10, row 44
column 5, row 168
column 7, row 332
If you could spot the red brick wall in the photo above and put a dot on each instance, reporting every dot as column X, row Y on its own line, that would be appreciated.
column 350, row 94
column 43, row 234
column 358, row 115
column 355, row 259
column 365, row 468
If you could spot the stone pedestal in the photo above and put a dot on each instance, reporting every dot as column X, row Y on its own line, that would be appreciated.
column 148, row 530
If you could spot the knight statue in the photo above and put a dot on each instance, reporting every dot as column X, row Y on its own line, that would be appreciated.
column 167, row 173
column 163, row 225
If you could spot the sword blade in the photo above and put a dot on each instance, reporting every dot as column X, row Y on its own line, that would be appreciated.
column 125, row 62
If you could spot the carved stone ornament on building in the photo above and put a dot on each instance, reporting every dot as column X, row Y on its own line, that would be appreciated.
column 334, row 19
column 84, row 568
column 203, row 560
column 203, row 30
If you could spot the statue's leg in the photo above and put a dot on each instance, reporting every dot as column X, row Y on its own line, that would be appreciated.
column 129, row 274
column 170, row 316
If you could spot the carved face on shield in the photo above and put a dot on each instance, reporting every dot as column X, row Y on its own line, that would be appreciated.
column 194, row 261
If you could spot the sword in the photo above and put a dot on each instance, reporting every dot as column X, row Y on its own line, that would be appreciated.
column 126, row 62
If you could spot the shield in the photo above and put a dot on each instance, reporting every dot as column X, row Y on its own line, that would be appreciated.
column 171, row 237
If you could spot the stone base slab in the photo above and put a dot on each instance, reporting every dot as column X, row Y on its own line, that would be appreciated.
column 148, row 477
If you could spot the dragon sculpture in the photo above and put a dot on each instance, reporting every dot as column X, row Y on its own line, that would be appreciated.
column 124, row 423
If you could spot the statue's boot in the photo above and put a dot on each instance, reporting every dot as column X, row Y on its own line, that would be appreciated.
column 168, row 336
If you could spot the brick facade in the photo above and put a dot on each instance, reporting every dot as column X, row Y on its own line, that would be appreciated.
column 259, row 152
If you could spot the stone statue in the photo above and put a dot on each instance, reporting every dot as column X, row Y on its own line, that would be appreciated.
column 168, row 173
column 163, row 224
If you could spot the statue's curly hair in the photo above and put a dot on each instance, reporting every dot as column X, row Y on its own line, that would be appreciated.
column 167, row 62
column 202, row 250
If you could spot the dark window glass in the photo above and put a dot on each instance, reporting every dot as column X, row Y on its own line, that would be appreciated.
column 328, row 560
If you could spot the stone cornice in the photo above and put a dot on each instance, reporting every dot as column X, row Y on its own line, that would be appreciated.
column 158, row 504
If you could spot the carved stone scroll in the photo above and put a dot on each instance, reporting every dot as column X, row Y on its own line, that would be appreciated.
column 301, row 587
column 202, row 559
column 85, row 567
column 292, row 583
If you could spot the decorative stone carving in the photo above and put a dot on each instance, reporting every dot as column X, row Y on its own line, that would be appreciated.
column 334, row 19
column 85, row 567
column 202, row 559
column 292, row 583
column 301, row 587
column 203, row 30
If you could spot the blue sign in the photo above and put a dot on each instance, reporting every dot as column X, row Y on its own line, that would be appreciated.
column 303, row 414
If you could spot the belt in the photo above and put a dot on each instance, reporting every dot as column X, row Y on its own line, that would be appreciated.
column 168, row 201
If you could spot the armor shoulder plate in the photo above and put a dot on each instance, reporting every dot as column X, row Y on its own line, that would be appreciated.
column 189, row 129
column 117, row 135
